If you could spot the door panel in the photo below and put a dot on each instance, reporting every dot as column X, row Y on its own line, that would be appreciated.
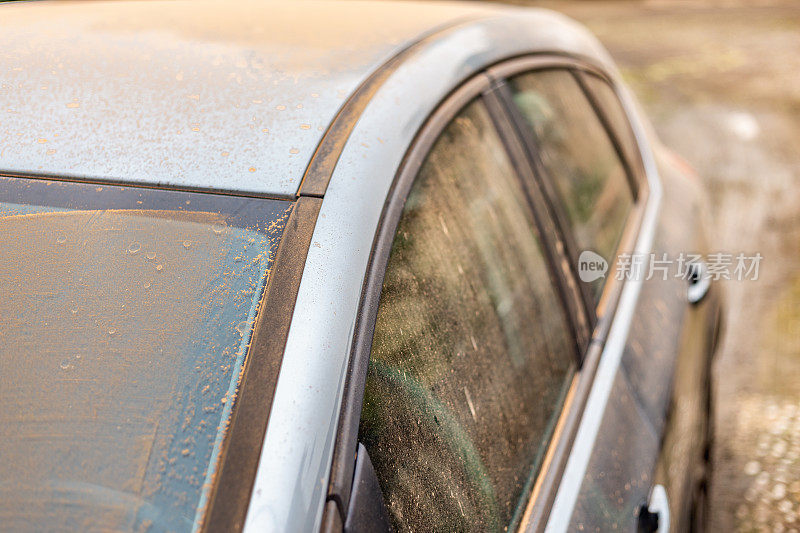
column 666, row 362
column 683, row 414
column 619, row 473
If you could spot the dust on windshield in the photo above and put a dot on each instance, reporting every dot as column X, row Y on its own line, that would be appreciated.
column 125, row 320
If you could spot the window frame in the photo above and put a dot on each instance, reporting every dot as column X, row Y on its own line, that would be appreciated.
column 600, row 315
column 229, row 498
column 489, row 86
column 549, row 477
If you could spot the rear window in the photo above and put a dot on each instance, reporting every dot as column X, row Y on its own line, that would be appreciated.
column 124, row 324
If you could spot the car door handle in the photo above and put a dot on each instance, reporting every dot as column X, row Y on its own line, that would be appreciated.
column 699, row 282
column 654, row 515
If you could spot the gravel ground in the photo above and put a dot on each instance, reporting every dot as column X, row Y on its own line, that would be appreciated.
column 721, row 83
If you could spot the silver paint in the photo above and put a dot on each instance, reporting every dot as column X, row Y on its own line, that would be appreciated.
column 204, row 94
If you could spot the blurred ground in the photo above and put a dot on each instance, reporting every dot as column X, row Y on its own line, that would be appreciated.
column 721, row 83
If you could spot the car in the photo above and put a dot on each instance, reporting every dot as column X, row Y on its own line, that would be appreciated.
column 342, row 266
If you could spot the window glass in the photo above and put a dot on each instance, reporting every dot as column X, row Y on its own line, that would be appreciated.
column 472, row 354
column 613, row 111
column 124, row 324
column 578, row 156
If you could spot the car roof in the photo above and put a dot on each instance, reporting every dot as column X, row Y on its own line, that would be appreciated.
column 191, row 94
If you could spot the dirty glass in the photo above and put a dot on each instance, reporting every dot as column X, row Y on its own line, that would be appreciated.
column 124, row 322
column 579, row 157
column 618, row 119
column 472, row 353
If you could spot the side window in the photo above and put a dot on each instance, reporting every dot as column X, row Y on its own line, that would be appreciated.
column 617, row 118
column 579, row 157
column 472, row 353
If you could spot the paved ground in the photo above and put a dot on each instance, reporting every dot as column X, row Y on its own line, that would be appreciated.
column 721, row 82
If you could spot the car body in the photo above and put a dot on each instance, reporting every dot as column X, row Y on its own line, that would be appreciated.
column 313, row 119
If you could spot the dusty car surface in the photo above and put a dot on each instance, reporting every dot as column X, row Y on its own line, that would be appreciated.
column 340, row 266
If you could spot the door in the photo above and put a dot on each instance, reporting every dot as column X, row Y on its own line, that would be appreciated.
column 644, row 423
column 487, row 348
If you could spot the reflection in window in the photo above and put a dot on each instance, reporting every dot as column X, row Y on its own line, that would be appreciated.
column 471, row 353
column 579, row 157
